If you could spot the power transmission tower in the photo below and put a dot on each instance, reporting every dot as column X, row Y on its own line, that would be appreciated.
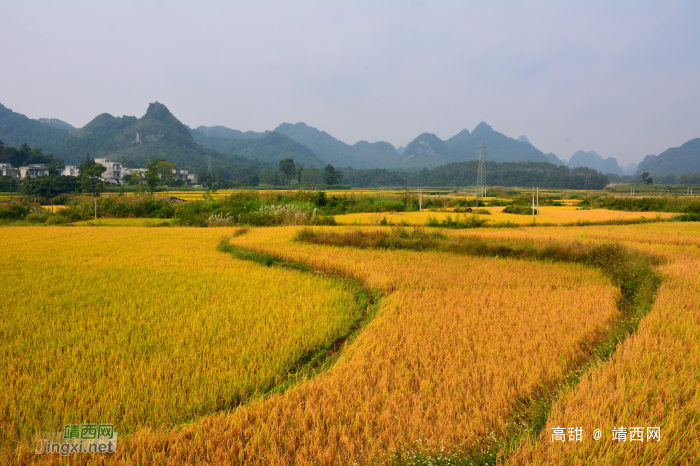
column 480, row 174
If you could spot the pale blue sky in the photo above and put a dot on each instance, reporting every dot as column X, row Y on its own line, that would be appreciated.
column 619, row 78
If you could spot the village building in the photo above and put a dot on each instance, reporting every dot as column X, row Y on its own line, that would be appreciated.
column 33, row 170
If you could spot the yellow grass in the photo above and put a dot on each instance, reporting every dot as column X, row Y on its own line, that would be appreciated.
column 457, row 341
column 55, row 208
column 548, row 216
column 145, row 326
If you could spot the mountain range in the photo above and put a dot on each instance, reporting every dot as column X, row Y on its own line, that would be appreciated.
column 362, row 154
column 269, row 146
column 159, row 133
column 427, row 150
column 596, row 162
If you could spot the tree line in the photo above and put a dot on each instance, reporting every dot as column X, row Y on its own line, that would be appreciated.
column 460, row 174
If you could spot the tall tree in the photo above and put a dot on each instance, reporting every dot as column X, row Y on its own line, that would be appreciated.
column 287, row 169
column 331, row 175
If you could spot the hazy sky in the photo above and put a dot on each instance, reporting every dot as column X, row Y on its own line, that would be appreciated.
column 619, row 78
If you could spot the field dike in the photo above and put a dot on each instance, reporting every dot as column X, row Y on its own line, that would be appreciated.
column 319, row 359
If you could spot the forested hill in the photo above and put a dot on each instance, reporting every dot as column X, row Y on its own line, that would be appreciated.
column 676, row 160
column 522, row 174
column 157, row 134
column 272, row 147
column 56, row 123
column 16, row 129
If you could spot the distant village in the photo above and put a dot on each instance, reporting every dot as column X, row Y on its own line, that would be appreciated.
column 114, row 172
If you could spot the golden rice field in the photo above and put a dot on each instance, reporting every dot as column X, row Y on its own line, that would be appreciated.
column 549, row 215
column 146, row 327
column 651, row 381
column 456, row 343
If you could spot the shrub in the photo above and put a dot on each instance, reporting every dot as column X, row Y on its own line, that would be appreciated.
column 13, row 211
column 472, row 221
column 37, row 218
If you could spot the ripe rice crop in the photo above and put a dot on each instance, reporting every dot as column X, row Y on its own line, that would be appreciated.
column 457, row 344
column 457, row 341
column 146, row 327
column 651, row 381
column 549, row 215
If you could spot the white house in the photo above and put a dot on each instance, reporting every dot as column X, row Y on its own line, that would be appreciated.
column 7, row 170
column 33, row 170
column 113, row 170
column 186, row 176
column 70, row 170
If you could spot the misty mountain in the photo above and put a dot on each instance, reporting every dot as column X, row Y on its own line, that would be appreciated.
column 157, row 134
column 645, row 161
column 16, row 129
column 271, row 147
column 60, row 124
column 630, row 168
column 499, row 147
column 551, row 158
column 676, row 160
column 427, row 150
column 360, row 155
column 400, row 149
column 595, row 161
column 224, row 132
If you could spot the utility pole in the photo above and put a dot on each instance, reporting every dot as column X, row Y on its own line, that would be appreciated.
column 480, row 173
column 420, row 200
column 211, row 176
column 533, row 201
column 538, row 200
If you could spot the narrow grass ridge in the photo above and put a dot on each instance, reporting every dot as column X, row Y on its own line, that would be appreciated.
column 318, row 359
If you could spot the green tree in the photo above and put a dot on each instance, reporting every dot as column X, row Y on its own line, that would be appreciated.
column 287, row 169
column 151, row 175
column 331, row 175
column 310, row 175
column 90, row 176
column 646, row 179
column 165, row 171
column 300, row 170
column 689, row 178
